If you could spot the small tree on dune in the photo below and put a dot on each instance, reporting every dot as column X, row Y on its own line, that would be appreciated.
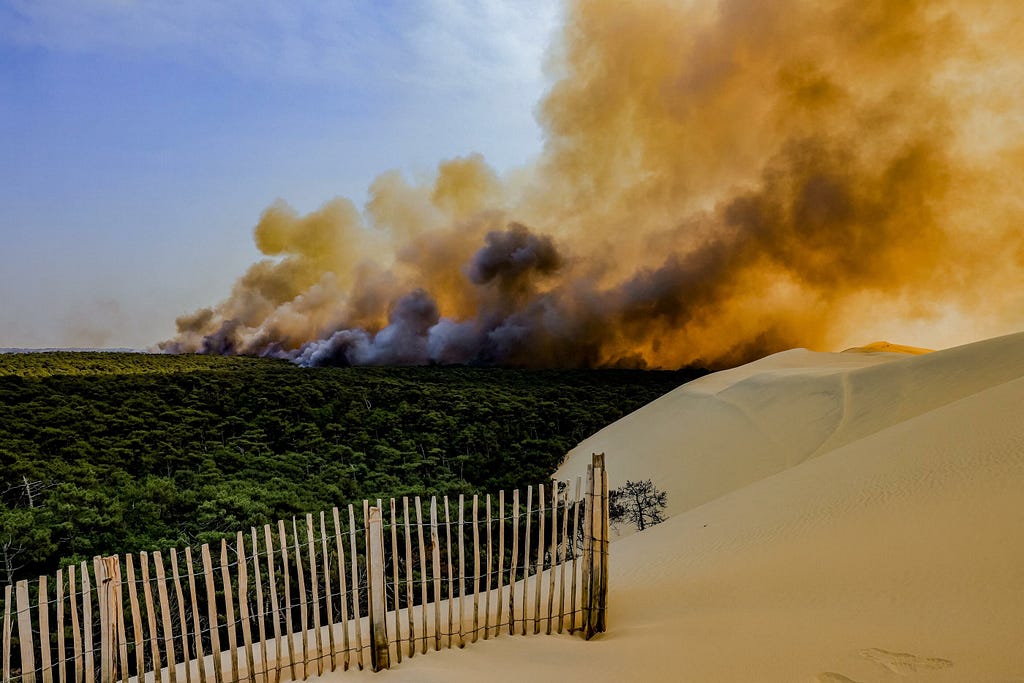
column 638, row 502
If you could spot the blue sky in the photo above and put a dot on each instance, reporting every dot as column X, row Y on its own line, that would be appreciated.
column 141, row 140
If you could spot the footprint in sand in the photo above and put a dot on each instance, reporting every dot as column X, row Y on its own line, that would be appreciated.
column 904, row 663
column 833, row 677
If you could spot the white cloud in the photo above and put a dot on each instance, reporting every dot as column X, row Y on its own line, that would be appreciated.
column 484, row 43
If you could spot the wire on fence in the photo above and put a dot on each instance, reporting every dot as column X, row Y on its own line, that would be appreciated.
column 291, row 599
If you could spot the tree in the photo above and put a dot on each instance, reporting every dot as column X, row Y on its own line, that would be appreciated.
column 25, row 539
column 638, row 502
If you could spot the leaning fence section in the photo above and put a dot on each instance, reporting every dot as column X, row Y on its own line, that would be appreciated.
column 357, row 587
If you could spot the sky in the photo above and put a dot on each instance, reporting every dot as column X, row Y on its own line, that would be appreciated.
column 524, row 182
column 142, row 140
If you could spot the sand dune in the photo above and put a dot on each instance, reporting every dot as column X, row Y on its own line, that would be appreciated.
column 836, row 517
column 732, row 428
column 887, row 347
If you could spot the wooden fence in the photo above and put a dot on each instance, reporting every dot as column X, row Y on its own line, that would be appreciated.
column 333, row 590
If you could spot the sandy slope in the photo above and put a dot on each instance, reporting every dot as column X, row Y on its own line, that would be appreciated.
column 732, row 428
column 837, row 517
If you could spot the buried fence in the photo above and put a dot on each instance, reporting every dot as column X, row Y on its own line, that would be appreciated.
column 337, row 590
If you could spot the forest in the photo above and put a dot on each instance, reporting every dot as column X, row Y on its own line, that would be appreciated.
column 104, row 453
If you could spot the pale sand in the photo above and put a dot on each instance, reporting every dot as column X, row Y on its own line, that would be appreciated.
column 836, row 517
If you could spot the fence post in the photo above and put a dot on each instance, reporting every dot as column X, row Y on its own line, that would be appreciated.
column 595, row 549
column 379, row 655
column 110, row 616
column 601, row 542
column 587, row 571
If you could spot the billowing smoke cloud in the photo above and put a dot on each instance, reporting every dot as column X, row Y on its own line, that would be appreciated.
column 720, row 180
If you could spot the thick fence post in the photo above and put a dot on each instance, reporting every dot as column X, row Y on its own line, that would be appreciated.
column 601, row 542
column 586, row 583
column 110, row 616
column 595, row 549
column 379, row 655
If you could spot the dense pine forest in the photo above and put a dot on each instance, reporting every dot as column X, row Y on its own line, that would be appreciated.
column 106, row 453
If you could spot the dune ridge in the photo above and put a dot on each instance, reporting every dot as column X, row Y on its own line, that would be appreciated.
column 888, row 347
column 734, row 427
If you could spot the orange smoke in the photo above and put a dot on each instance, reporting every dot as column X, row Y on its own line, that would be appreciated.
column 719, row 181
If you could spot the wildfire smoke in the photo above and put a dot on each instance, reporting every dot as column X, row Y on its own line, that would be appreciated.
column 720, row 180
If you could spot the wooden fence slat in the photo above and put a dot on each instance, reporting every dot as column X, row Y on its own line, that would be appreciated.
column 115, row 608
column 7, row 633
column 261, row 619
column 43, row 605
column 476, row 569
column 435, row 557
column 526, row 557
column 394, row 564
column 197, row 627
column 380, row 505
column 593, row 562
column 303, row 605
column 553, row 552
column 25, row 638
column 602, row 615
column 87, row 644
column 289, row 633
column 424, row 573
column 597, row 564
column 490, row 553
column 342, row 589
column 409, row 578
column 165, row 613
column 451, row 580
column 211, row 612
column 594, row 582
column 138, row 640
column 327, row 590
column 354, row 557
column 376, row 579
column 564, row 558
column 76, row 633
column 243, row 607
column 575, row 529
column 105, row 642
column 229, row 610
column 512, row 565
column 501, row 559
column 61, row 645
column 462, row 573
column 275, row 606
column 122, row 639
column 182, row 621
column 539, row 574
column 370, row 585
column 588, row 551
column 147, row 592
column 104, row 619
column 314, row 582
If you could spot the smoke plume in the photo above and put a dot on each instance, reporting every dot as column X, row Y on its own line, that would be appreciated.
column 720, row 180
